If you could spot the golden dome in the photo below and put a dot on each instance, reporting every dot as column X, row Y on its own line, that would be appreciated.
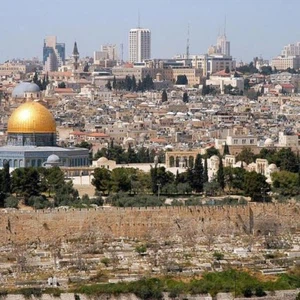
column 31, row 117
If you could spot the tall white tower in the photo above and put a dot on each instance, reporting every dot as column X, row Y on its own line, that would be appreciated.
column 223, row 46
column 139, row 44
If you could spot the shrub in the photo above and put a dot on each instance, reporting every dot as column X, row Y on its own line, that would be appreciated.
column 105, row 261
column 248, row 292
column 11, row 202
column 141, row 249
column 259, row 292
column 29, row 292
column 3, row 293
column 218, row 255
column 38, row 202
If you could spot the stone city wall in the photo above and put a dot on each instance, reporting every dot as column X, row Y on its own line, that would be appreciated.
column 17, row 226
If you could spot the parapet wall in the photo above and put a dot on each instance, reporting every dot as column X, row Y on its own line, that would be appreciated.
column 169, row 222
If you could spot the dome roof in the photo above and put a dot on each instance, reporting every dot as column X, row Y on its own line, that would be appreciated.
column 272, row 167
column 215, row 158
column 52, row 159
column 24, row 87
column 269, row 142
column 102, row 160
column 31, row 117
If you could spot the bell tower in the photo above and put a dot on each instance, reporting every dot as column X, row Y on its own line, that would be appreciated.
column 75, row 55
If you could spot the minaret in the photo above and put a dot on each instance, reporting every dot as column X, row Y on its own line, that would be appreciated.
column 75, row 55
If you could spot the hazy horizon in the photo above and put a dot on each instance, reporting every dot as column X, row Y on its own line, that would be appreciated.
column 253, row 27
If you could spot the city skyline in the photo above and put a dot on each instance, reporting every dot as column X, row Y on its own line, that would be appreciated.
column 250, row 26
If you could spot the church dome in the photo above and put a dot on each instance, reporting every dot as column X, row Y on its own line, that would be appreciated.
column 24, row 87
column 53, row 159
column 31, row 117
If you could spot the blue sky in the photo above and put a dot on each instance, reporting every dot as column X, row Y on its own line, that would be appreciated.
column 254, row 27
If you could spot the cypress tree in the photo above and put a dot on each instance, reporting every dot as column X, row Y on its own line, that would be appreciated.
column 198, row 174
column 205, row 173
column 6, row 184
column 220, row 174
column 164, row 96
column 114, row 84
column 133, row 85
column 226, row 149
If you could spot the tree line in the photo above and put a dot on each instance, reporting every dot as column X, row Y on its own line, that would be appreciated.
column 131, row 84
column 39, row 188
column 41, row 83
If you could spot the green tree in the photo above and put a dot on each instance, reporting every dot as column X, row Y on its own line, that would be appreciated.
column 66, row 195
column 121, row 179
column 198, row 174
column 212, row 151
column 140, row 87
column 286, row 159
column 114, row 84
column 160, row 177
column 246, row 155
column 108, row 85
column 185, row 97
column 286, row 183
column 256, row 187
column 11, row 202
column 35, row 77
column 102, row 180
column 246, row 84
column 164, row 96
column 6, row 182
column 132, row 157
column 211, row 188
column 86, row 68
column 182, row 80
column 26, row 182
column 84, row 144
column 220, row 174
column 62, row 85
column 205, row 171
column 134, row 85
column 226, row 150
column 227, row 70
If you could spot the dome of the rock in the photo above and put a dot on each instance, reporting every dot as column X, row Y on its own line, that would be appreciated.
column 31, row 117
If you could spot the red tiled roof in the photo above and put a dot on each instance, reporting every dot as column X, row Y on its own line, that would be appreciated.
column 98, row 134
column 287, row 86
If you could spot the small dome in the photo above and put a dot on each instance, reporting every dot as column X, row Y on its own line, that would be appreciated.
column 215, row 158
column 102, row 160
column 24, row 87
column 52, row 159
column 269, row 142
column 272, row 167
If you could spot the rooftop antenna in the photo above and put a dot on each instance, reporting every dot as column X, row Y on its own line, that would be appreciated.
column 188, row 43
column 122, row 52
column 139, row 19
column 225, row 26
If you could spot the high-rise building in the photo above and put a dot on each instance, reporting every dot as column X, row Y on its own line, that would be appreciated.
column 289, row 58
column 139, row 44
column 53, row 54
column 223, row 46
column 111, row 51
